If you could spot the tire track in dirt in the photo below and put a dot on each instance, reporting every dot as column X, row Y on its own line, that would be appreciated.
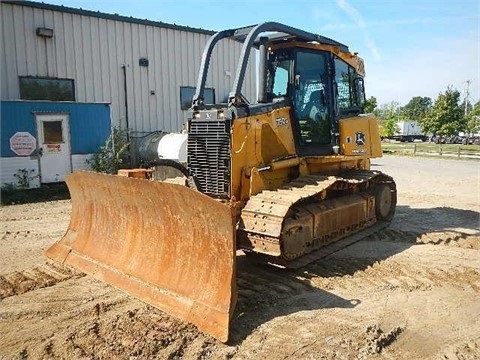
column 469, row 350
column 275, row 282
column 377, row 340
column 143, row 332
column 340, row 270
column 357, row 269
column 399, row 272
column 456, row 239
column 263, row 285
column 448, row 238
column 45, row 275
column 93, row 320
column 391, row 274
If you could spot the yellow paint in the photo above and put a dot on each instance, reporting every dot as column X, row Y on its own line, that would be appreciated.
column 351, row 58
column 354, row 127
column 257, row 141
column 264, row 156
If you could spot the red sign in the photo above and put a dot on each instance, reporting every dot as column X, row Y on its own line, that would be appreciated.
column 23, row 143
column 53, row 148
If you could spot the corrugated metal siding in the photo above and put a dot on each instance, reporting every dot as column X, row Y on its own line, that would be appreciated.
column 12, row 165
column 91, row 50
column 79, row 162
column 14, row 119
column 89, row 123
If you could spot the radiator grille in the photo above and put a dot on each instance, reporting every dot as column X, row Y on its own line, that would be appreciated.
column 209, row 156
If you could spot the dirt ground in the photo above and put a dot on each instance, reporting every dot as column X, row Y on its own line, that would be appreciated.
column 409, row 292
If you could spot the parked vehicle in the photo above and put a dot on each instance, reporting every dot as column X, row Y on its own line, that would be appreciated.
column 408, row 131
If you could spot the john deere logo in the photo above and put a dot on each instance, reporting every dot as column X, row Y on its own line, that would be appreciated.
column 360, row 138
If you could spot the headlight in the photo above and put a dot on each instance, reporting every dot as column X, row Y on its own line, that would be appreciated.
column 196, row 115
column 220, row 114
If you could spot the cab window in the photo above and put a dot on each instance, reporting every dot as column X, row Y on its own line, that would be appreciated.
column 349, row 87
column 278, row 74
column 280, row 83
column 311, row 107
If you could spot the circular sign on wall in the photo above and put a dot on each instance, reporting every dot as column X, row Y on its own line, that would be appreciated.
column 23, row 143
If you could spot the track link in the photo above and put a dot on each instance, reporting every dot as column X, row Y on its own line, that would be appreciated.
column 263, row 220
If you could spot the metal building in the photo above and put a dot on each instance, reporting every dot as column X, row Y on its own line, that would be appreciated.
column 145, row 70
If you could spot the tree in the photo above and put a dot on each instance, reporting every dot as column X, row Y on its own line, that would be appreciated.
column 417, row 108
column 446, row 117
column 472, row 125
column 370, row 105
column 388, row 115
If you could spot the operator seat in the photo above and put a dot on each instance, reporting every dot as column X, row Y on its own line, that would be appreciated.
column 315, row 109
column 315, row 126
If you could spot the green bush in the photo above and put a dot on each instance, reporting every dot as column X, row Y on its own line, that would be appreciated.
column 111, row 156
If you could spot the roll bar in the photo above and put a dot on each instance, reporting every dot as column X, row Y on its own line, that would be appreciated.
column 276, row 32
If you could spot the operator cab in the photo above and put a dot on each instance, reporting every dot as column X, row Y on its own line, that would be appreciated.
column 321, row 89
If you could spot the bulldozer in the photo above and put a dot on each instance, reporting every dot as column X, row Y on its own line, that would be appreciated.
column 285, row 179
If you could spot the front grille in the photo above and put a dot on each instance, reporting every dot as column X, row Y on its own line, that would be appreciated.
column 209, row 156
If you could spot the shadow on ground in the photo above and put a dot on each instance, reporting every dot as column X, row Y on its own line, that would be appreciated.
column 267, row 292
column 439, row 219
column 51, row 192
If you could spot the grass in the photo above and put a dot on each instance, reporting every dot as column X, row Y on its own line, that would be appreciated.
column 432, row 149
column 51, row 192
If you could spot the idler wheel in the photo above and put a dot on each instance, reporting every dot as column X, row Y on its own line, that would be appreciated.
column 385, row 201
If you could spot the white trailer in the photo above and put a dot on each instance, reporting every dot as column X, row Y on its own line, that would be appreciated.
column 409, row 131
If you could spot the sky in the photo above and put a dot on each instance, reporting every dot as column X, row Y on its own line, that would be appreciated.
column 410, row 47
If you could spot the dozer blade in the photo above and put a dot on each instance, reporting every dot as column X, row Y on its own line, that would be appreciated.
column 165, row 244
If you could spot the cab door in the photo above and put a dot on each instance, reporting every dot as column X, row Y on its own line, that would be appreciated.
column 311, row 101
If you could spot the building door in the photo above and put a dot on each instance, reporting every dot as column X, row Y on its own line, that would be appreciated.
column 54, row 147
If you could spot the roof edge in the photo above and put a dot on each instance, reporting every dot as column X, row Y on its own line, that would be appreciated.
column 107, row 16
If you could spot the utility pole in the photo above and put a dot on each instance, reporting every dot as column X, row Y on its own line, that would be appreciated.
column 467, row 94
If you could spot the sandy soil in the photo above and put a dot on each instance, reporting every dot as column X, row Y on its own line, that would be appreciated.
column 409, row 292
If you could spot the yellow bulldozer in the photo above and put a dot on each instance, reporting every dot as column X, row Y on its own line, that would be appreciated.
column 286, row 179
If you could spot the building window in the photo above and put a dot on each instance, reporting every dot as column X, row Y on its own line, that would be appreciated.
column 52, row 132
column 186, row 96
column 37, row 88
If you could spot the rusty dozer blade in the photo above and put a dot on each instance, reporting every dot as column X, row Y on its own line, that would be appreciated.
column 165, row 244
